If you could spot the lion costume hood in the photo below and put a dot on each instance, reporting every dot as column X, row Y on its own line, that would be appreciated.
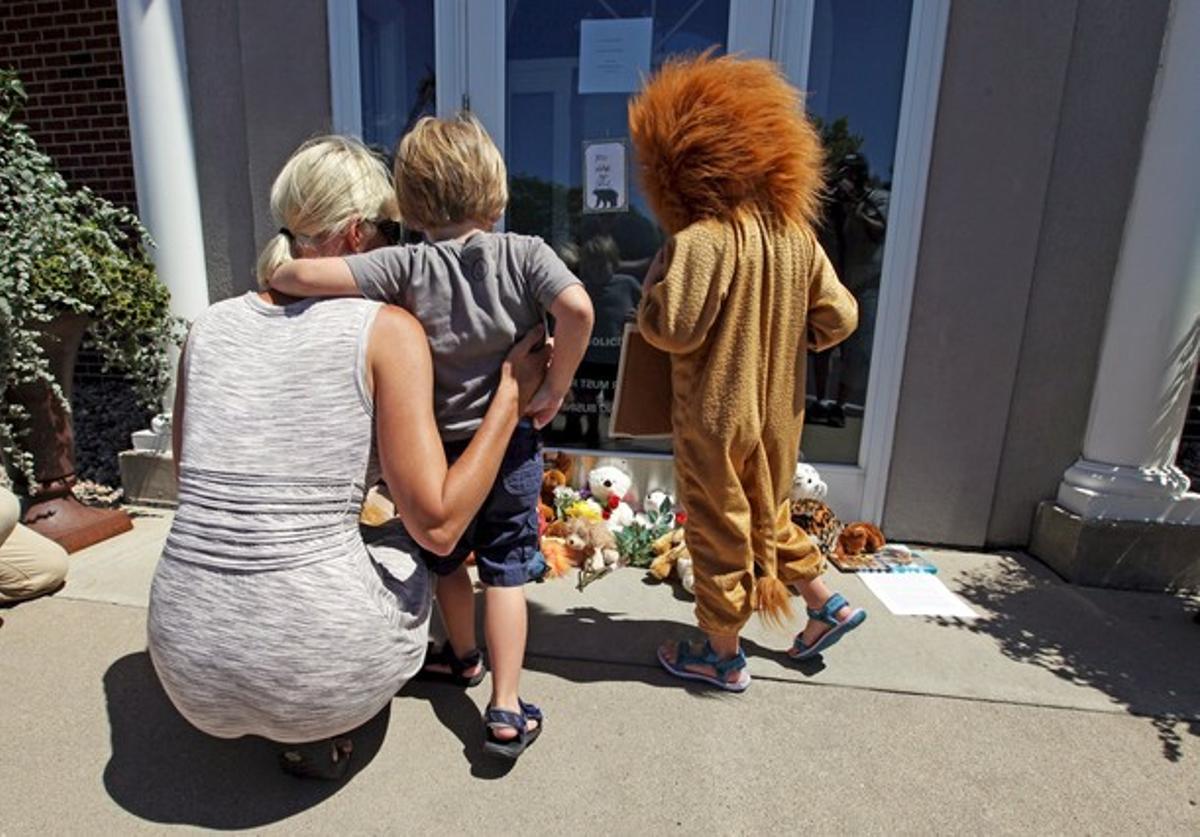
column 716, row 135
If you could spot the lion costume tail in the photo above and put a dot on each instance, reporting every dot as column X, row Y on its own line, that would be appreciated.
column 772, row 601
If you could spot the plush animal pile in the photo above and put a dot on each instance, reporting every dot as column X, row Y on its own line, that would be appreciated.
column 850, row 546
column 595, row 529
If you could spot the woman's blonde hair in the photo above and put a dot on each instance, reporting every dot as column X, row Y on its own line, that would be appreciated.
column 324, row 186
column 449, row 171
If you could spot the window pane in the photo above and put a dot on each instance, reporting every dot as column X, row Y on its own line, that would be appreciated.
column 395, row 47
column 855, row 78
column 549, row 121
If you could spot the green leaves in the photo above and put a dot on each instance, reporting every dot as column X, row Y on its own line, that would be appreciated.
column 634, row 544
column 65, row 249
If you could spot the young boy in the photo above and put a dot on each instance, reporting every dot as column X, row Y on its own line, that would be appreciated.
column 476, row 292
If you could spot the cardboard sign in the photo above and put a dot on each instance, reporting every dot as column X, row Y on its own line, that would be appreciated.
column 642, row 404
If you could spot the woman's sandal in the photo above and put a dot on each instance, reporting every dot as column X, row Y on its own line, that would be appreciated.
column 836, row 631
column 456, row 676
column 511, row 748
column 329, row 759
column 684, row 657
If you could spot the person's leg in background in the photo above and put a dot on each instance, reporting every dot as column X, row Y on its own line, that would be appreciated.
column 30, row 565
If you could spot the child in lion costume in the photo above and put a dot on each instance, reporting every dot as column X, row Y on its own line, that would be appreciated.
column 738, row 294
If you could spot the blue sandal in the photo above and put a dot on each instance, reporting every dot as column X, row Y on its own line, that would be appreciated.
column 457, row 674
column 836, row 631
column 512, row 747
column 684, row 657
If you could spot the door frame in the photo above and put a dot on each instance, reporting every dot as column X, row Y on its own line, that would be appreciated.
column 470, row 65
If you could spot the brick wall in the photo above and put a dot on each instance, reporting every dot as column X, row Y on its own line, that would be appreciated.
column 68, row 54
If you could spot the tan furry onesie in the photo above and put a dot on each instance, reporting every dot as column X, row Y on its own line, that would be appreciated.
column 733, row 170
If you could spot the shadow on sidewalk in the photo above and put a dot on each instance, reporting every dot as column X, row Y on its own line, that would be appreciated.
column 458, row 713
column 583, row 645
column 601, row 647
column 1138, row 648
column 165, row 770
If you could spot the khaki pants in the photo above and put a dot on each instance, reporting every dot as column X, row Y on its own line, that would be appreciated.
column 739, row 524
column 30, row 564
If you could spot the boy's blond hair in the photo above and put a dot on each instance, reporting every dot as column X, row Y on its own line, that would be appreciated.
column 448, row 171
column 327, row 183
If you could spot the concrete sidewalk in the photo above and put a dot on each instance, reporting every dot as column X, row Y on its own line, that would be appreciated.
column 1063, row 710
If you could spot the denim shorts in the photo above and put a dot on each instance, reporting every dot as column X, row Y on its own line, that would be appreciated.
column 504, row 533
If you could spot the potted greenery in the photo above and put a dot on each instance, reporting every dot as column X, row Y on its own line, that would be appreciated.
column 70, row 263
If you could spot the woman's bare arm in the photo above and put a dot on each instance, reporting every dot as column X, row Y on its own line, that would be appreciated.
column 437, row 502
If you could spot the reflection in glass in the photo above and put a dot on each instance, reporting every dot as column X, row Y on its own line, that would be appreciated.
column 548, row 122
column 395, row 47
column 855, row 80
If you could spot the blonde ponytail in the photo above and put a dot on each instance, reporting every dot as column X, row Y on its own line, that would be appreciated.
column 275, row 255
column 328, row 183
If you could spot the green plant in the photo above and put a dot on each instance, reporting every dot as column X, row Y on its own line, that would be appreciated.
column 69, row 250
column 635, row 542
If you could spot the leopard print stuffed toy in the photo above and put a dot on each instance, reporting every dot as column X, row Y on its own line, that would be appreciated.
column 810, row 512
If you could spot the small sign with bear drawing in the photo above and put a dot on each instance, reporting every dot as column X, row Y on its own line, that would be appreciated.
column 604, row 180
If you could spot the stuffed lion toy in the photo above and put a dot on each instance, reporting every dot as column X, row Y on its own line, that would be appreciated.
column 733, row 171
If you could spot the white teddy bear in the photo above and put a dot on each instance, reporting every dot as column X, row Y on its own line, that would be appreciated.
column 807, row 484
column 653, row 508
column 609, row 484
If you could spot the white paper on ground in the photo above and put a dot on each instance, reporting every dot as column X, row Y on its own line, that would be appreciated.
column 916, row 594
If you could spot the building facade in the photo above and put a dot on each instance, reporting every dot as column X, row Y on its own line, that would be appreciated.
column 1010, row 203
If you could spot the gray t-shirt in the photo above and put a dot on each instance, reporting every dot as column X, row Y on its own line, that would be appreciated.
column 475, row 298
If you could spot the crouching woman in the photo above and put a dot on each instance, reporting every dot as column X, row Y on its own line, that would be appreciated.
column 269, row 615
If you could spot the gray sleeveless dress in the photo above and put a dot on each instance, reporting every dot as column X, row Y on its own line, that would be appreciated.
column 269, row 615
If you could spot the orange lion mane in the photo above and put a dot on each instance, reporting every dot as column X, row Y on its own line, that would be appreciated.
column 717, row 135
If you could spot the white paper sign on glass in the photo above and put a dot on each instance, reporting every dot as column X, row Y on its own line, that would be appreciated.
column 614, row 55
column 604, row 181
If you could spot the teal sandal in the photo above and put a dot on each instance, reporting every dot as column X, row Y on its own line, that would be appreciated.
column 684, row 657
column 836, row 631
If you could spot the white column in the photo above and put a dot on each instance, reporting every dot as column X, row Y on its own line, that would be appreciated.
column 1148, row 357
column 164, row 162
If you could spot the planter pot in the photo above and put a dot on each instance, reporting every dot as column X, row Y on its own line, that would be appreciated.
column 53, row 510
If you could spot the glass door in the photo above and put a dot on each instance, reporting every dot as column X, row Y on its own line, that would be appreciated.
column 550, row 79
column 569, row 71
